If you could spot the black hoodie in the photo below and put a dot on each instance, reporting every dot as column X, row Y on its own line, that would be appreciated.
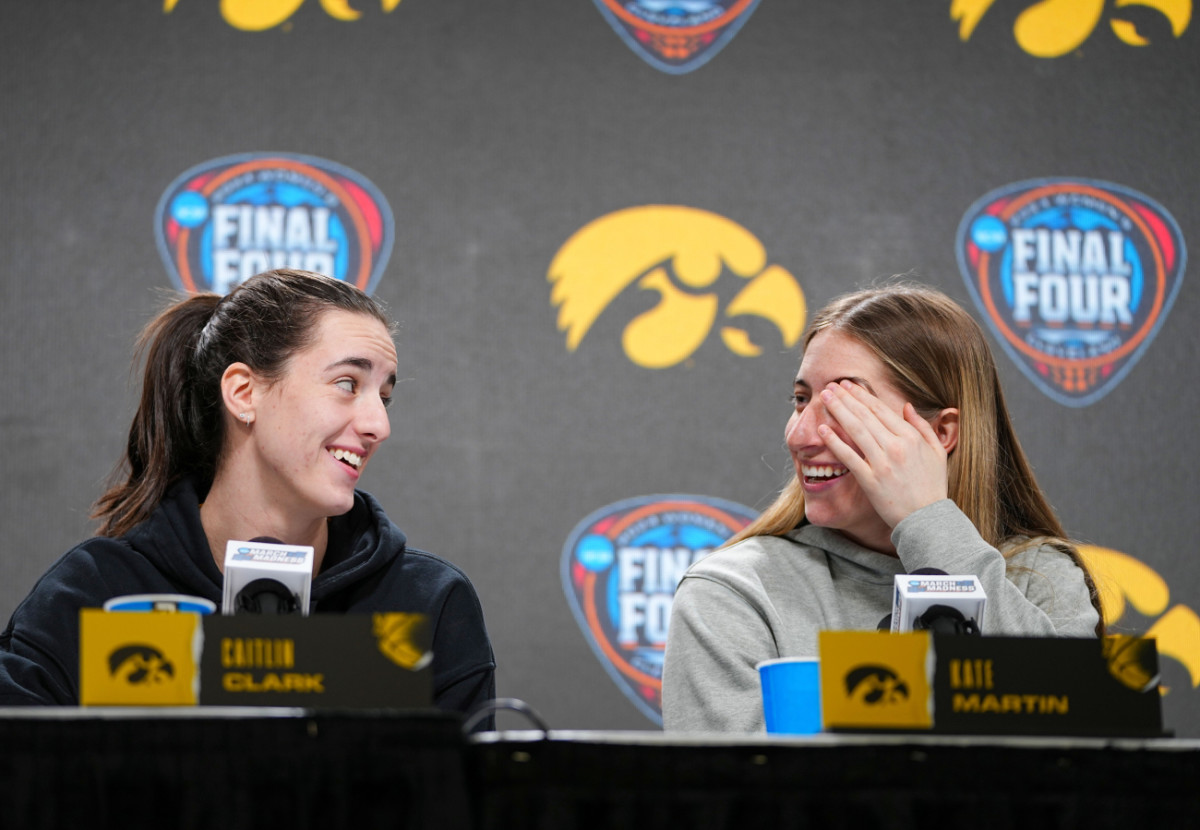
column 367, row 568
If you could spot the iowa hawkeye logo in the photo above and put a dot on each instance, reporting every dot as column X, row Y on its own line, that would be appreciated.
column 1074, row 276
column 1053, row 28
column 228, row 219
column 701, row 271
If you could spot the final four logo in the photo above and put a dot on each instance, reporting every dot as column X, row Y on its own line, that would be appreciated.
column 225, row 220
column 676, row 36
column 620, row 567
column 1074, row 276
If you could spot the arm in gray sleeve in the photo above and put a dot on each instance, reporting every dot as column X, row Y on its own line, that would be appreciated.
column 1037, row 593
column 715, row 640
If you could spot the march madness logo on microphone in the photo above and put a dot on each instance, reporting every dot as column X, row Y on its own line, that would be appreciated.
column 620, row 568
column 225, row 220
column 1074, row 276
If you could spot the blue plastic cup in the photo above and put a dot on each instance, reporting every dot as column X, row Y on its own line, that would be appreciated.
column 791, row 691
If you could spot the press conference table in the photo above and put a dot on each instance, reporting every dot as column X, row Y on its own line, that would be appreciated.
column 250, row 768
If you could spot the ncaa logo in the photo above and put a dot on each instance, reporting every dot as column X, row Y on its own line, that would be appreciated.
column 227, row 219
column 620, row 568
column 1075, row 278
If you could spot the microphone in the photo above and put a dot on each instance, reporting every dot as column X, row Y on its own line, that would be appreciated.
column 265, row 576
column 945, row 619
column 930, row 599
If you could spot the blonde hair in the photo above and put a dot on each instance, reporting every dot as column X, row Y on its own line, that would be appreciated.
column 937, row 357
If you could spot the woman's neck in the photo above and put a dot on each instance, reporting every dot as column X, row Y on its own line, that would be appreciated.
column 229, row 514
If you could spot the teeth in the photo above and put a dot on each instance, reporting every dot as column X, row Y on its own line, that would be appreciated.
column 350, row 458
column 823, row 472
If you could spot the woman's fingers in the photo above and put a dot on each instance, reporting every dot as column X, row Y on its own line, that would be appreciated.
column 922, row 426
column 858, row 395
column 866, row 419
column 858, row 466
column 899, row 463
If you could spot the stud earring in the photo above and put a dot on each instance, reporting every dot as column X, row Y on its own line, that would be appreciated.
column 245, row 416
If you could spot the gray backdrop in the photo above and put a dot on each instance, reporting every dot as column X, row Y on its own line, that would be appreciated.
column 849, row 136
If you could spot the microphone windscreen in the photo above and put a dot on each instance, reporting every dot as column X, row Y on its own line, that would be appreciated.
column 927, row 588
column 289, row 567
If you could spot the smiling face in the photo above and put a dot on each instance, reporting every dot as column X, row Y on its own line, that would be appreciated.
column 832, row 497
column 316, row 427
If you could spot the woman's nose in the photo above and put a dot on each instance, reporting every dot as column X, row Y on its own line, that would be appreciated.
column 374, row 422
column 802, row 426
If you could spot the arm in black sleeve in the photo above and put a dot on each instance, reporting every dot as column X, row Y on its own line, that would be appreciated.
column 464, row 667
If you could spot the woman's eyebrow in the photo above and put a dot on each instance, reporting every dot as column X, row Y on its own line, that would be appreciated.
column 863, row 382
column 364, row 363
column 357, row 362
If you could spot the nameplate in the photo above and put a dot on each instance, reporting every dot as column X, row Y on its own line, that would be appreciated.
column 162, row 658
column 138, row 658
column 875, row 680
column 949, row 684
column 373, row 661
column 1047, row 686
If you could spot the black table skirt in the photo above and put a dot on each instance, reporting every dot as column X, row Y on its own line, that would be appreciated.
column 255, row 768
column 232, row 770
column 597, row 781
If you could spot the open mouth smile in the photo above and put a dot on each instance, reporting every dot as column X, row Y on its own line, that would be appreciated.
column 816, row 473
column 352, row 460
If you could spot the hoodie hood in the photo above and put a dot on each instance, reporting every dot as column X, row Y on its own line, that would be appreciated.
column 849, row 559
column 175, row 543
column 361, row 542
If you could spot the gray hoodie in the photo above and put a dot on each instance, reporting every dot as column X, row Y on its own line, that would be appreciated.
column 768, row 596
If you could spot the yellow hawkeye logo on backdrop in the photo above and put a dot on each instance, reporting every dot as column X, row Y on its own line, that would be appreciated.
column 689, row 258
column 259, row 15
column 1052, row 28
column 1124, row 581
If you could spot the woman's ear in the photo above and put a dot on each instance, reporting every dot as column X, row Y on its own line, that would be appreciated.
column 945, row 424
column 238, row 385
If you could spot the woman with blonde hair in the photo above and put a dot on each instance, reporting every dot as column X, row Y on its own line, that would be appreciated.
column 905, row 458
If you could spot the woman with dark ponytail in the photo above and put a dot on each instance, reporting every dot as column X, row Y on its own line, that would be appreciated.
column 259, row 412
